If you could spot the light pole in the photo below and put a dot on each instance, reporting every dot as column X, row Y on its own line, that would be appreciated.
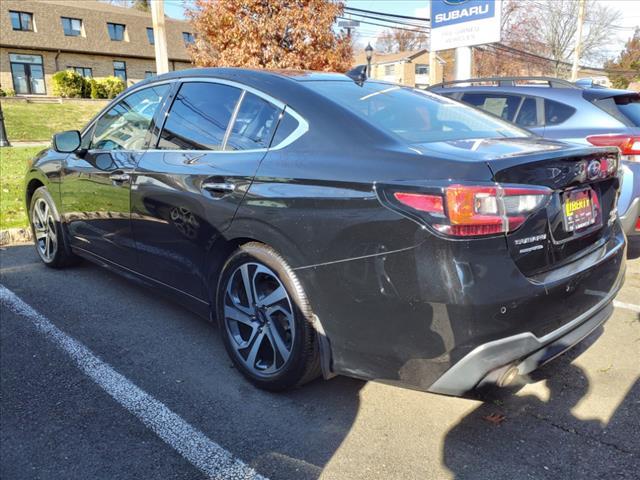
column 369, row 53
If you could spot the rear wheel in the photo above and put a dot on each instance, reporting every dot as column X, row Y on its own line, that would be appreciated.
column 266, row 319
column 47, row 232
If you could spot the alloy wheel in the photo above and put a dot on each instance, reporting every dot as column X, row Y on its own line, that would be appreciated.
column 44, row 229
column 259, row 319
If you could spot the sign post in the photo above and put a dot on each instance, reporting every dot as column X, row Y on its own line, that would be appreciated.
column 461, row 24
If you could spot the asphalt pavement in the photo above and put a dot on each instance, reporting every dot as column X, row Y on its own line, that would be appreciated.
column 101, row 378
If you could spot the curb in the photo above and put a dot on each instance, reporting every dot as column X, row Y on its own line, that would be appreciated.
column 15, row 235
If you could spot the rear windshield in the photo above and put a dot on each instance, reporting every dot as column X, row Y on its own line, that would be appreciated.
column 414, row 115
column 625, row 108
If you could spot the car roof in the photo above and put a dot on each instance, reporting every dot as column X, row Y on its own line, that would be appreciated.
column 254, row 74
column 536, row 90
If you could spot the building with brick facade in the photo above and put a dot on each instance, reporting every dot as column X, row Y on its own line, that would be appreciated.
column 97, row 39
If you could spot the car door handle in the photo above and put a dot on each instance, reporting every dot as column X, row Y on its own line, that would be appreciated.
column 222, row 187
column 120, row 177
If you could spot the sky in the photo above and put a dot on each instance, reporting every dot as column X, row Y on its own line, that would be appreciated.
column 630, row 17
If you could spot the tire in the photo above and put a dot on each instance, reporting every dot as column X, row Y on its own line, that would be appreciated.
column 272, row 343
column 48, row 236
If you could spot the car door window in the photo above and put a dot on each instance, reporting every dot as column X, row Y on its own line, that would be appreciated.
column 528, row 115
column 199, row 117
column 503, row 106
column 125, row 125
column 254, row 124
column 556, row 112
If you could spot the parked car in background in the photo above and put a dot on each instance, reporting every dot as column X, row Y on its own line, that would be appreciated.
column 340, row 227
column 580, row 112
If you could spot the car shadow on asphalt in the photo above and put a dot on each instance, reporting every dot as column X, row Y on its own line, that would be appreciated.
column 523, row 436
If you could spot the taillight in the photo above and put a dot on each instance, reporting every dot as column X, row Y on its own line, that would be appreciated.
column 628, row 145
column 474, row 210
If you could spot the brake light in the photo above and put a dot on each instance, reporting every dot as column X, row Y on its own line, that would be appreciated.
column 422, row 202
column 628, row 145
column 638, row 225
column 476, row 210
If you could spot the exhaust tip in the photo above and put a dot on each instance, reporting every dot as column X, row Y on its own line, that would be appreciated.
column 508, row 376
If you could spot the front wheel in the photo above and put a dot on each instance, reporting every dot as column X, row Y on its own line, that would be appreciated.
column 266, row 319
column 47, row 232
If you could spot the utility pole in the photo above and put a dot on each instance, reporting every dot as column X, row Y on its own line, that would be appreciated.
column 576, row 50
column 159, row 36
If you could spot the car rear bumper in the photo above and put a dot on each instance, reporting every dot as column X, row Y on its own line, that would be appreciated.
column 421, row 317
column 630, row 218
column 492, row 361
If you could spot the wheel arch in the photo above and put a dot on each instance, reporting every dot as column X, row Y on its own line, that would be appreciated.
column 247, row 231
column 34, row 180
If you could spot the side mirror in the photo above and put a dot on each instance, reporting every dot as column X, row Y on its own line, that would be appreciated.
column 67, row 142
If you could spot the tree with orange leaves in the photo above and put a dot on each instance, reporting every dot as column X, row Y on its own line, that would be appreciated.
column 293, row 34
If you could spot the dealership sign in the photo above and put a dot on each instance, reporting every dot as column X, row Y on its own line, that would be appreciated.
column 464, row 23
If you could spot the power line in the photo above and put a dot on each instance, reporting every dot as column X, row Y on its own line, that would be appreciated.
column 352, row 9
column 397, row 22
column 389, row 26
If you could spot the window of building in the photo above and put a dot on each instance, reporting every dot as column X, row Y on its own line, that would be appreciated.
column 390, row 69
column 84, row 71
column 150, row 36
column 199, row 117
column 254, row 124
column 556, row 112
column 188, row 38
column 27, row 74
column 120, row 70
column 22, row 21
column 422, row 69
column 149, row 74
column 72, row 26
column 116, row 31
column 125, row 126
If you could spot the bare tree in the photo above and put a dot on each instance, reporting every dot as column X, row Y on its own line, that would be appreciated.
column 396, row 40
column 557, row 29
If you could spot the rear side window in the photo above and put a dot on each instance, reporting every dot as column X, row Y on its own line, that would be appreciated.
column 199, row 117
column 503, row 106
column 556, row 112
column 286, row 127
column 254, row 124
column 528, row 115
column 125, row 125
column 625, row 108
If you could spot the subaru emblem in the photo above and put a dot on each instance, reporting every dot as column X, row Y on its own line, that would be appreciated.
column 593, row 170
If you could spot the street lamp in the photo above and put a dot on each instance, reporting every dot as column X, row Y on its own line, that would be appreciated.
column 369, row 53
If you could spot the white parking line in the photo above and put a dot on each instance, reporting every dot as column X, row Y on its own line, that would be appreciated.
column 213, row 460
column 627, row 306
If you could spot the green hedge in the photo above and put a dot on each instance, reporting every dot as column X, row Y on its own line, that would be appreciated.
column 70, row 84
column 109, row 87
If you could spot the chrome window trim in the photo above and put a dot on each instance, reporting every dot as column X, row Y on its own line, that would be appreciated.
column 301, row 129
column 232, row 120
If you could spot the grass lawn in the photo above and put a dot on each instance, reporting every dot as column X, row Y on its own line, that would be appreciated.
column 13, row 166
column 38, row 121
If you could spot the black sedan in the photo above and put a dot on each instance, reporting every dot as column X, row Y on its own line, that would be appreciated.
column 332, row 226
